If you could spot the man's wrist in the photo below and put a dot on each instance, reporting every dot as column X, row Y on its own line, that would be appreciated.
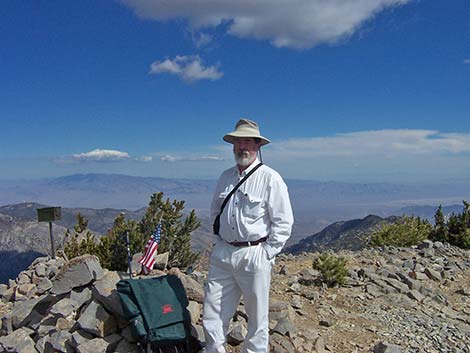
column 270, row 251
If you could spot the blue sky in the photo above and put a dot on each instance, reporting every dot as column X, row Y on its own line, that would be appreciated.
column 347, row 90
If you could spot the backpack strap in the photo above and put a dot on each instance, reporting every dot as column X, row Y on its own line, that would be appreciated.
column 216, row 225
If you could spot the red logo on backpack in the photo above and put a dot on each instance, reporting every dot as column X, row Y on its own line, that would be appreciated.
column 167, row 308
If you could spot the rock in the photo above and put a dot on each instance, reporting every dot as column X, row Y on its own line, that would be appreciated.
column 18, row 341
column 161, row 261
column 414, row 294
column 194, row 290
column 78, row 272
column 21, row 311
column 96, row 345
column 79, row 337
column 104, row 292
column 420, row 276
column 41, row 270
column 383, row 347
column 43, row 285
column 296, row 302
column 81, row 296
column 97, row 321
column 194, row 309
column 285, row 271
column 320, row 345
column 26, row 289
column 112, row 341
column 23, row 278
column 432, row 274
column 64, row 324
column 237, row 333
column 284, row 327
column 197, row 332
column 64, row 308
column 425, row 244
column 59, row 342
column 3, row 289
column 127, row 347
column 9, row 294
column 326, row 323
column 463, row 291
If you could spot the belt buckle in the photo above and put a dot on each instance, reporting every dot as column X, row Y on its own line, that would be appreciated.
column 249, row 243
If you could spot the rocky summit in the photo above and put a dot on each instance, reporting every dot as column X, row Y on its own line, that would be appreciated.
column 394, row 300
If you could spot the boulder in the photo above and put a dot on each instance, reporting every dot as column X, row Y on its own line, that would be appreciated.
column 78, row 272
column 97, row 321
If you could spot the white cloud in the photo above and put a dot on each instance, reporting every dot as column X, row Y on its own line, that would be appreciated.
column 188, row 68
column 170, row 158
column 388, row 143
column 99, row 155
column 144, row 159
column 294, row 24
column 466, row 61
column 201, row 39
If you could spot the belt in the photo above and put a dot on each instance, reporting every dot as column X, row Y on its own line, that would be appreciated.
column 249, row 243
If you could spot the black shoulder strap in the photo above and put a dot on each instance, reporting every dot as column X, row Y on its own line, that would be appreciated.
column 237, row 186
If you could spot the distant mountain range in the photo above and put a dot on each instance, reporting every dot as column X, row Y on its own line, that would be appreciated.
column 99, row 220
column 428, row 212
column 22, row 238
column 316, row 204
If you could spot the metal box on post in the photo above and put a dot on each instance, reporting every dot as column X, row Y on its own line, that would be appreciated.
column 50, row 214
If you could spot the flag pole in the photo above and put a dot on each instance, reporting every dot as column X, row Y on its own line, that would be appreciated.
column 129, row 257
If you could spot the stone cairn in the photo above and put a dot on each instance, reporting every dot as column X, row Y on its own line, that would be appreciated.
column 72, row 306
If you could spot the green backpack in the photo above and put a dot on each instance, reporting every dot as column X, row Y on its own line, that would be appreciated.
column 156, row 311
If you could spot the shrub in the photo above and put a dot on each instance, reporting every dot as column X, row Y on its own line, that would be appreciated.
column 406, row 231
column 111, row 249
column 456, row 230
column 333, row 268
column 81, row 241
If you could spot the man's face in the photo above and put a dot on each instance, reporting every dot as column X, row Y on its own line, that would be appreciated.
column 245, row 150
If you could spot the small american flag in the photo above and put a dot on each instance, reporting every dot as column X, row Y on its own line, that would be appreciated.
column 148, row 259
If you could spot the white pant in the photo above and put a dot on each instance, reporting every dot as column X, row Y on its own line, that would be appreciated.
column 235, row 271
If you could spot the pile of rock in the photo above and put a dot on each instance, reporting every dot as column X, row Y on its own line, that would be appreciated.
column 60, row 306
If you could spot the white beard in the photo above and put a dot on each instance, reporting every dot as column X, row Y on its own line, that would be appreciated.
column 244, row 159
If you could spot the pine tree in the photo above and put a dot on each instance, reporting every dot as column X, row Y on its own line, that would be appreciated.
column 440, row 232
column 112, row 249
column 82, row 223
column 81, row 241
column 176, row 233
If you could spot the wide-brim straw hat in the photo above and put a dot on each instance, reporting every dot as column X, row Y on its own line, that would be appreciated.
column 246, row 128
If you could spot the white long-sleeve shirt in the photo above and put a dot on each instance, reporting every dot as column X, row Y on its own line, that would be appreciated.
column 260, row 207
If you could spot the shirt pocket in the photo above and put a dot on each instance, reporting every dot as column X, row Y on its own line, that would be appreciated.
column 252, row 207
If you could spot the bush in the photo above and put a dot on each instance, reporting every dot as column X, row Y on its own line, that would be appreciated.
column 406, row 231
column 456, row 230
column 81, row 241
column 332, row 268
column 111, row 249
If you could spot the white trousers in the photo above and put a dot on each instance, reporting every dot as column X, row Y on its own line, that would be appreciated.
column 233, row 272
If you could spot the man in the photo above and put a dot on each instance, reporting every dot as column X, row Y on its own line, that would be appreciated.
column 254, row 226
